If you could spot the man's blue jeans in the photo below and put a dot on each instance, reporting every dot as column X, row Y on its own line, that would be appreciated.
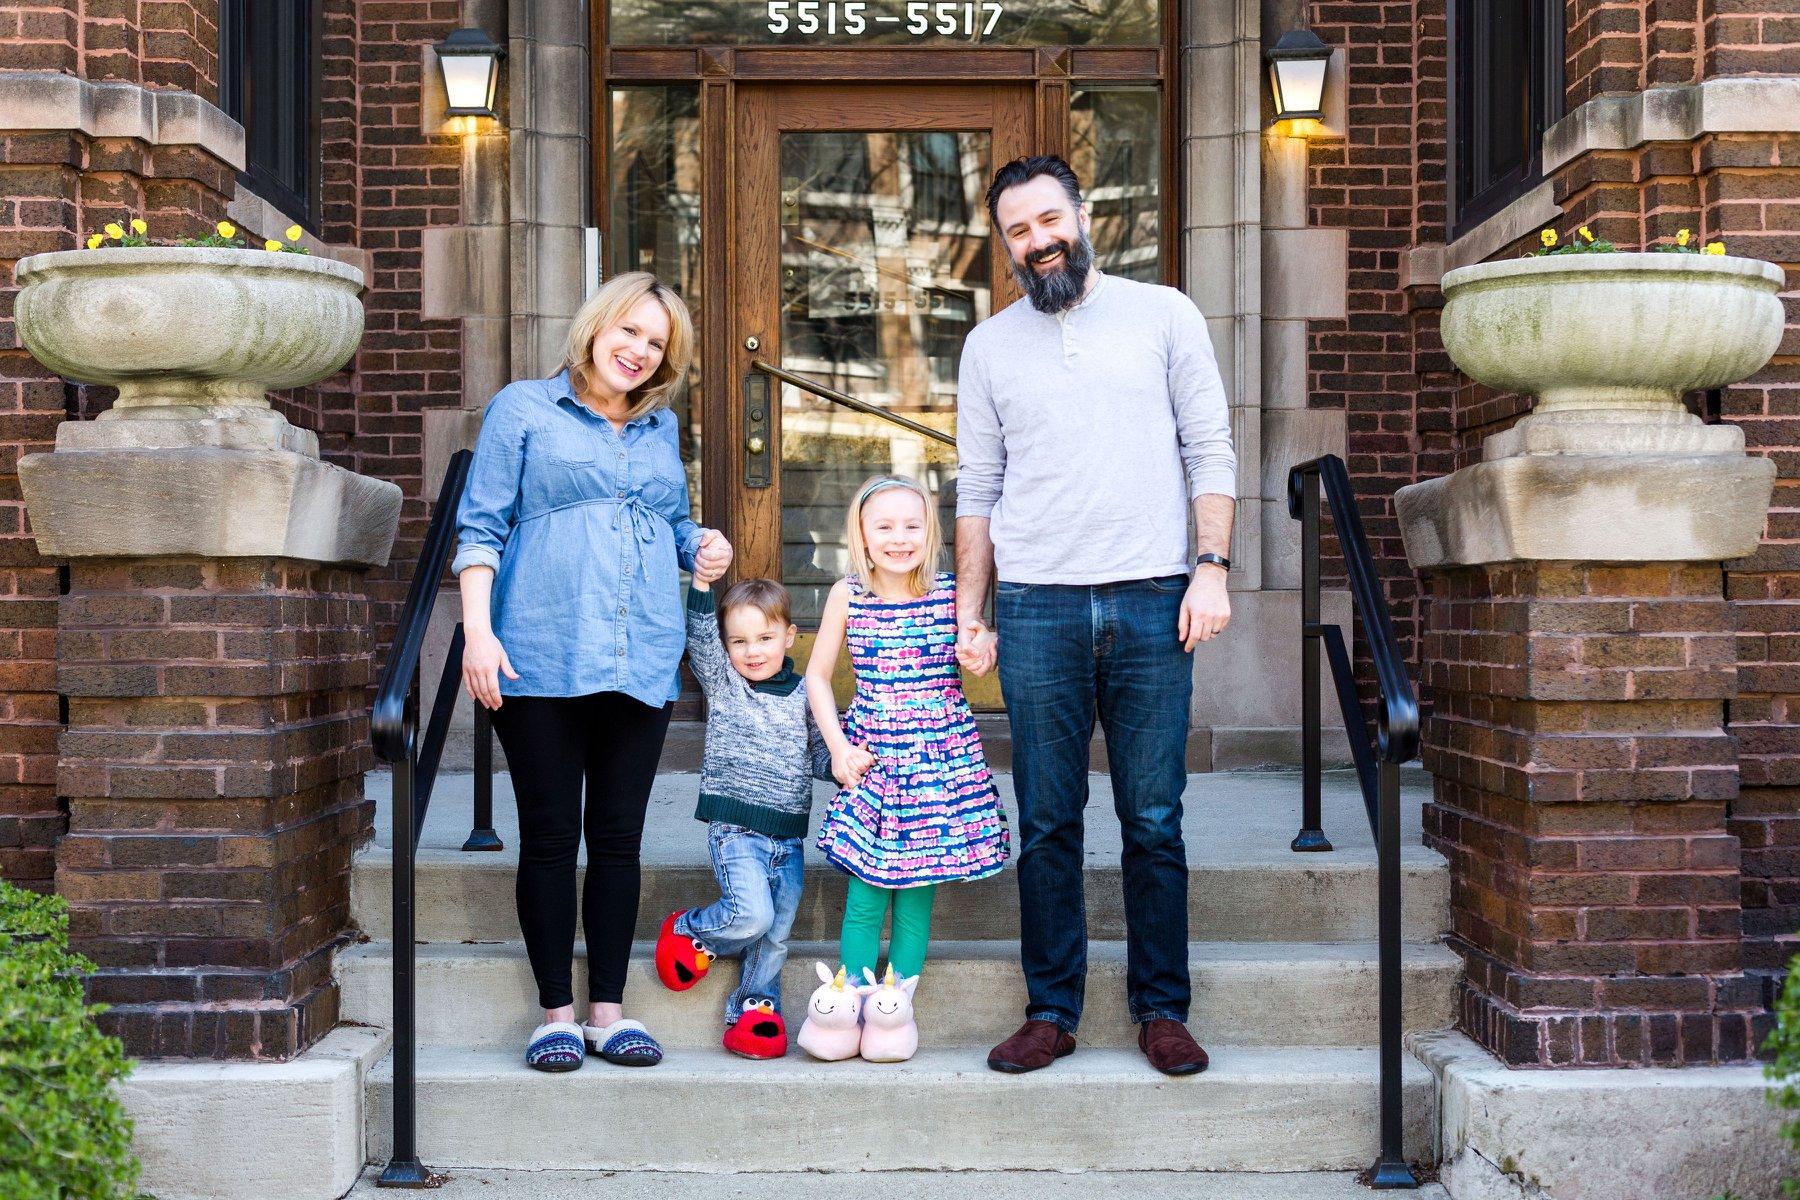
column 1067, row 653
column 760, row 878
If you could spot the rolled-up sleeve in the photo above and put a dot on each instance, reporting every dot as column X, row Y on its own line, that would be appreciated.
column 1202, row 412
column 490, row 501
column 980, row 448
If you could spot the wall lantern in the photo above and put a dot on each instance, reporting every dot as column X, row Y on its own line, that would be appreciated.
column 470, row 61
column 1297, row 75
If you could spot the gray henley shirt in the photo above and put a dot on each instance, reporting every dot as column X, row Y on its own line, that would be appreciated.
column 1084, row 436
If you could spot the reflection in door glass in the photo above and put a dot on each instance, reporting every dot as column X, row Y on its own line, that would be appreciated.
column 884, row 270
column 1115, row 143
column 654, row 164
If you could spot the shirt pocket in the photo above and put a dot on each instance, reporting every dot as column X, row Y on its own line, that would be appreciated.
column 563, row 467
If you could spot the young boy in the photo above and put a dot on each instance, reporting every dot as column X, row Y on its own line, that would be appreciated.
column 762, row 753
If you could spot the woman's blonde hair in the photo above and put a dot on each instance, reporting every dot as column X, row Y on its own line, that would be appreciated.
column 610, row 306
column 922, row 577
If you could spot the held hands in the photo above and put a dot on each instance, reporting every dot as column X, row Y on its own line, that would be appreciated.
column 850, row 764
column 977, row 647
column 713, row 558
column 484, row 658
column 1206, row 609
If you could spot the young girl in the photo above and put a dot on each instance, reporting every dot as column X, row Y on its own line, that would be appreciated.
column 918, row 806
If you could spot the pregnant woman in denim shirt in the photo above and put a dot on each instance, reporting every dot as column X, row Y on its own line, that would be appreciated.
column 572, row 530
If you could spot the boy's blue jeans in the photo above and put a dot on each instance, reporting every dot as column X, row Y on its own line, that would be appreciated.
column 1068, row 653
column 760, row 878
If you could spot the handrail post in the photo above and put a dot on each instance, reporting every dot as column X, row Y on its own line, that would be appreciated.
column 1311, row 838
column 1391, row 1169
column 481, row 834
column 404, row 1168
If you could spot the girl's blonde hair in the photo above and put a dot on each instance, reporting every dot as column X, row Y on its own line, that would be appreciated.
column 610, row 306
column 922, row 577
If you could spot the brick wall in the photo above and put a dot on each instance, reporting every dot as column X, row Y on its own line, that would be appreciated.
column 1383, row 365
column 54, row 188
column 1583, row 773
column 402, row 181
column 213, row 762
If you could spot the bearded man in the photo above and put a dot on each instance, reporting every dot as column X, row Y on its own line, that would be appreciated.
column 1089, row 420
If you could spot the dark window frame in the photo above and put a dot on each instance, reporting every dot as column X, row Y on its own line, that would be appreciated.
column 1476, row 189
column 273, row 65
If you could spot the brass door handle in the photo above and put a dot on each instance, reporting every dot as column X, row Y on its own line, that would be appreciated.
column 756, row 445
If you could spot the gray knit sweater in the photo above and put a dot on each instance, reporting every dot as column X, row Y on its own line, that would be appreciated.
column 762, row 748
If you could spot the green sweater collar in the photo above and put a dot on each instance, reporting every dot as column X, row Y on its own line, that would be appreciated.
column 782, row 682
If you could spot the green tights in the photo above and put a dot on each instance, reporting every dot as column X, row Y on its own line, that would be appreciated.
column 864, row 908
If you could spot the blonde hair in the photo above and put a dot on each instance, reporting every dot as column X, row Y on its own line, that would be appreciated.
column 610, row 306
column 922, row 577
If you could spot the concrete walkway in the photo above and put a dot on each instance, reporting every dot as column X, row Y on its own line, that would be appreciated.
column 914, row 1185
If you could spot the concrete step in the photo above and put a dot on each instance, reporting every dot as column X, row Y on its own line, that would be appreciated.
column 1245, row 994
column 1302, row 898
column 1098, row 1110
column 1243, row 882
column 470, row 1184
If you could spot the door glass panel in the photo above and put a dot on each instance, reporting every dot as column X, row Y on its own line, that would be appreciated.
column 885, row 22
column 1115, row 141
column 654, row 164
column 884, row 270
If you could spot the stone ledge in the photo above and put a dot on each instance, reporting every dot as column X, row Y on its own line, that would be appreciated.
column 1601, row 1134
column 1527, row 214
column 47, row 100
column 1588, row 508
column 209, row 502
column 277, row 1131
column 1674, row 114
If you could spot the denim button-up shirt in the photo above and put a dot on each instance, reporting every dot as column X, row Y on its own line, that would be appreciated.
column 584, row 528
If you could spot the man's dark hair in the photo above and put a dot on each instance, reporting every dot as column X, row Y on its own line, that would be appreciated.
column 1023, row 170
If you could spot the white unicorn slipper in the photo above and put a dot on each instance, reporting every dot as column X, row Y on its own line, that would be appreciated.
column 830, row 1032
column 889, row 1032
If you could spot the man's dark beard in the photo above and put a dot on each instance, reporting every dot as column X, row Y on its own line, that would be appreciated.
column 1060, row 289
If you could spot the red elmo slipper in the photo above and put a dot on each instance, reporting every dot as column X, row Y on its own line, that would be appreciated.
column 681, row 961
column 759, row 1033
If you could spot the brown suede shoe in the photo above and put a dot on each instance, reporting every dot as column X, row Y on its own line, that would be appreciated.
column 1036, row 1044
column 1170, row 1048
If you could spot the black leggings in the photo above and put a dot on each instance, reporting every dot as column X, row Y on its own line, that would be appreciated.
column 552, row 743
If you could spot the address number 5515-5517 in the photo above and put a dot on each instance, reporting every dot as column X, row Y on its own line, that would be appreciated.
column 969, row 18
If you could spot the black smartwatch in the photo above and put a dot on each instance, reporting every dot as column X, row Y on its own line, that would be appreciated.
column 1217, row 560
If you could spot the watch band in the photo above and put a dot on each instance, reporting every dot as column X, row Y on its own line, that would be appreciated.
column 1214, row 559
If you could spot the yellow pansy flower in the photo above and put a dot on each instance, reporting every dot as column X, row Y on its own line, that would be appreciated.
column 1715, row 247
column 138, row 226
column 1548, row 237
column 1586, row 234
column 94, row 241
column 293, row 233
column 271, row 244
column 226, row 229
column 113, row 231
column 1683, row 236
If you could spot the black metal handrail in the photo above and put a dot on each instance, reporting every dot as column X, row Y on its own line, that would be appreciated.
column 851, row 402
column 394, row 729
column 1377, row 754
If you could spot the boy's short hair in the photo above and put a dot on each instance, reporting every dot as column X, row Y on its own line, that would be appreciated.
column 764, row 595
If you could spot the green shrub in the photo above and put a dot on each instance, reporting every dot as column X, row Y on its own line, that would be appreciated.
column 1783, row 1047
column 64, row 1135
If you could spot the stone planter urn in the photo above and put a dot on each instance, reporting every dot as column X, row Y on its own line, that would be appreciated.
column 1608, row 344
column 191, row 458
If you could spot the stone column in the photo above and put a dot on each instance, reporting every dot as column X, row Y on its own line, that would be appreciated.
column 214, row 645
column 1580, row 654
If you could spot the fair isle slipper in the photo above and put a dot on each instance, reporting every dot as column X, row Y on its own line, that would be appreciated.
column 556, row 1046
column 624, row 1043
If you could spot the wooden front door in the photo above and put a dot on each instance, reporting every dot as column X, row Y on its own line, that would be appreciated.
column 860, row 258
